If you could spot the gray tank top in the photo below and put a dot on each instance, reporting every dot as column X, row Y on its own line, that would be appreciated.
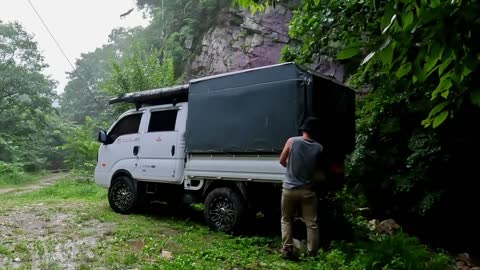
column 302, row 162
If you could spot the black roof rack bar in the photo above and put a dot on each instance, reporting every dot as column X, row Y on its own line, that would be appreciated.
column 154, row 96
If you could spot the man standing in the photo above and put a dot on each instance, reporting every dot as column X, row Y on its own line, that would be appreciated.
column 301, row 156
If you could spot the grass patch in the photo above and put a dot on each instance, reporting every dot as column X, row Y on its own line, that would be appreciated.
column 4, row 250
column 13, row 175
column 64, row 189
column 20, row 179
column 138, row 240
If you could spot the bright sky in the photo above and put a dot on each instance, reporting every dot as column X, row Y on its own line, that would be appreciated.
column 79, row 26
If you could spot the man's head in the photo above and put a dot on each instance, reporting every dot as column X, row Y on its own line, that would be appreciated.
column 311, row 126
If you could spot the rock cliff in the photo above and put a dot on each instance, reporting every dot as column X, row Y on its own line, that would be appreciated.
column 241, row 40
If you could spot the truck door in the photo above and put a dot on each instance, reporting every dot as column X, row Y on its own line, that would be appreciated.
column 121, row 152
column 161, row 149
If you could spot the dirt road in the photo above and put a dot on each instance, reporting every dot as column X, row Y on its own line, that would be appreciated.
column 43, row 182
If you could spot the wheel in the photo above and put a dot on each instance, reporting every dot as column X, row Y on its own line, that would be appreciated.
column 224, row 209
column 123, row 195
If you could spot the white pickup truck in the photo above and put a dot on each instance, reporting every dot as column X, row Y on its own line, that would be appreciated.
column 217, row 140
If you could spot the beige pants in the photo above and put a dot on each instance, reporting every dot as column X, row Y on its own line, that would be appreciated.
column 296, row 201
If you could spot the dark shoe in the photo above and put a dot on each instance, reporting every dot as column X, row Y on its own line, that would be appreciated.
column 287, row 253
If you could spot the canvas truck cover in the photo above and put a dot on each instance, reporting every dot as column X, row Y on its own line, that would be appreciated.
column 257, row 110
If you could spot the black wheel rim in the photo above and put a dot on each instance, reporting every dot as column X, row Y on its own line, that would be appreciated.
column 222, row 213
column 122, row 196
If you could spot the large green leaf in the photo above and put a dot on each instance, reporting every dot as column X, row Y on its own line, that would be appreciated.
column 443, row 87
column 438, row 120
column 408, row 19
column 348, row 53
column 445, row 93
column 386, row 55
column 444, row 65
column 436, row 51
column 438, row 108
column 434, row 55
column 404, row 70
column 429, row 66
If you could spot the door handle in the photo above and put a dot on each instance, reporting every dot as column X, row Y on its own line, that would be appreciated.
column 136, row 148
column 173, row 150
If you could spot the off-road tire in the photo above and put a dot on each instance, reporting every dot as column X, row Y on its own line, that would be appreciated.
column 123, row 195
column 224, row 210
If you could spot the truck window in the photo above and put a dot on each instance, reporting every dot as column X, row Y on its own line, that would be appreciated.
column 162, row 121
column 128, row 125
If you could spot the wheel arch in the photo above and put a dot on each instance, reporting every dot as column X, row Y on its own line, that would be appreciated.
column 120, row 173
column 239, row 187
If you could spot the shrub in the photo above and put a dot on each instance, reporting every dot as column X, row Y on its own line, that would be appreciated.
column 13, row 174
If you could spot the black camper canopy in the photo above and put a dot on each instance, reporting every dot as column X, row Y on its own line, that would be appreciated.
column 257, row 110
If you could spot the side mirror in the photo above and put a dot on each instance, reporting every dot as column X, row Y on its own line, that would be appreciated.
column 103, row 137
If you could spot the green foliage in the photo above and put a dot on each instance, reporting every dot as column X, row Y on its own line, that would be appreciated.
column 397, row 251
column 260, row 5
column 80, row 145
column 140, row 71
column 22, row 83
column 419, row 35
column 373, row 250
column 40, row 148
column 253, row 5
column 339, row 29
column 350, row 202
column 29, row 125
column 12, row 174
column 81, row 149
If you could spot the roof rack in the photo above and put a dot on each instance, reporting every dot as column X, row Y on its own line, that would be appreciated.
column 174, row 94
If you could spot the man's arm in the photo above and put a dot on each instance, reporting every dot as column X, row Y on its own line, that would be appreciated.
column 285, row 152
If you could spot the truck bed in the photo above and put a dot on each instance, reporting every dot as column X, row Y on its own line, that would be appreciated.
column 255, row 168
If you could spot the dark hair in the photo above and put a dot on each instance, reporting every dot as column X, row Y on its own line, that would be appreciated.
column 311, row 125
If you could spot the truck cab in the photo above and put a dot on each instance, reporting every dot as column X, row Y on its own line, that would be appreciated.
column 147, row 144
